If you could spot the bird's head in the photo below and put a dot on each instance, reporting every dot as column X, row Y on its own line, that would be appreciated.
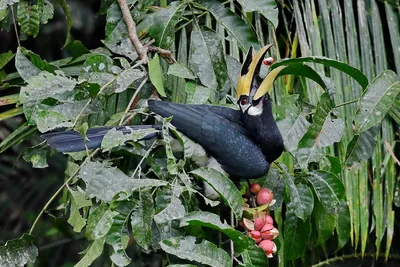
column 252, row 90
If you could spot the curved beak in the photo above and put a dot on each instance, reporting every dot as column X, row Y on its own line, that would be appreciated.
column 250, row 70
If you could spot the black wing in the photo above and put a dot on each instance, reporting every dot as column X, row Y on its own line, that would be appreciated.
column 226, row 141
column 71, row 141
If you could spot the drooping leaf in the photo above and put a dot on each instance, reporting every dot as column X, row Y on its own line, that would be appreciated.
column 376, row 100
column 174, row 210
column 142, row 218
column 326, row 219
column 349, row 70
column 163, row 26
column 92, row 252
column 224, row 187
column 361, row 146
column 296, row 235
column 75, row 218
column 28, row 18
column 274, row 182
column 342, row 224
column 5, row 58
column 19, row 134
column 18, row 252
column 156, row 75
column 301, row 198
column 266, row 8
column 68, row 18
column 234, row 25
column 207, row 60
column 126, row 78
column 117, row 236
column 196, row 94
column 327, row 186
column 204, row 252
column 46, row 10
column 9, row 99
column 11, row 113
column 180, row 70
column 172, row 167
column 24, row 67
column 211, row 220
column 323, row 132
column 99, row 222
column 293, row 131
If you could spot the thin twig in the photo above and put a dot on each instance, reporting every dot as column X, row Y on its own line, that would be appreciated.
column 131, row 26
column 15, row 26
column 166, row 54
column 358, row 255
column 132, row 99
column 143, row 158
column 59, row 191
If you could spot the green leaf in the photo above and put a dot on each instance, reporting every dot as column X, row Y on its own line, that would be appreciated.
column 376, row 100
column 342, row 224
column 301, row 198
column 24, row 67
column 99, row 222
column 211, row 220
column 117, row 237
column 255, row 256
column 196, row 94
column 207, row 60
column 164, row 22
column 156, row 75
column 324, row 131
column 28, row 18
column 327, row 186
column 80, row 197
column 44, row 85
column 114, row 137
column 204, row 252
column 18, row 252
column 326, row 222
column 174, row 210
column 224, row 187
column 46, row 10
column 266, row 8
column 361, row 146
column 93, row 252
column 65, row 8
column 126, row 78
column 180, row 70
column 75, row 219
column 142, row 218
column 293, row 131
column 234, row 25
column 296, row 235
column 5, row 58
column 37, row 156
column 104, row 182
column 356, row 74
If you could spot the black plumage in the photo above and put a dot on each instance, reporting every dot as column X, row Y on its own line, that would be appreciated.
column 244, row 142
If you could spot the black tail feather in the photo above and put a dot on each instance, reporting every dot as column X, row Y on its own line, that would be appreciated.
column 72, row 141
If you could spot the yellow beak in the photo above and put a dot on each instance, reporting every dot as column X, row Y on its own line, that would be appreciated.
column 251, row 69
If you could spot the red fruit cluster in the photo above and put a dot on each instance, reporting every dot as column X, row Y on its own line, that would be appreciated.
column 261, row 227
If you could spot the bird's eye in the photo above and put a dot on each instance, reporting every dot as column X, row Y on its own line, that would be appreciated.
column 268, row 61
column 243, row 101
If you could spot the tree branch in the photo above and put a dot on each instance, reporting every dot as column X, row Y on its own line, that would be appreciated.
column 131, row 25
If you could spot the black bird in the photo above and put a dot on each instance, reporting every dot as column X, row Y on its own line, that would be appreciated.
column 244, row 142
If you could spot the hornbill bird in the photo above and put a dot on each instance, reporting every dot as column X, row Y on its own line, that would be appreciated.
column 244, row 142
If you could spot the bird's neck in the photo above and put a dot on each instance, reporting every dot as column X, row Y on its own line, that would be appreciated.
column 264, row 130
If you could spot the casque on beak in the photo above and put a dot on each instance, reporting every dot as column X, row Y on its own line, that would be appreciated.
column 247, row 83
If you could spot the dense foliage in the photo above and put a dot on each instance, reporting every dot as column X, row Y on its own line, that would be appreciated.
column 337, row 106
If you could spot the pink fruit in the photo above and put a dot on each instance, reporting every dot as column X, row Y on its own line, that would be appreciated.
column 268, row 246
column 256, row 235
column 248, row 224
column 255, row 188
column 269, row 232
column 268, row 219
column 259, row 223
column 265, row 196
